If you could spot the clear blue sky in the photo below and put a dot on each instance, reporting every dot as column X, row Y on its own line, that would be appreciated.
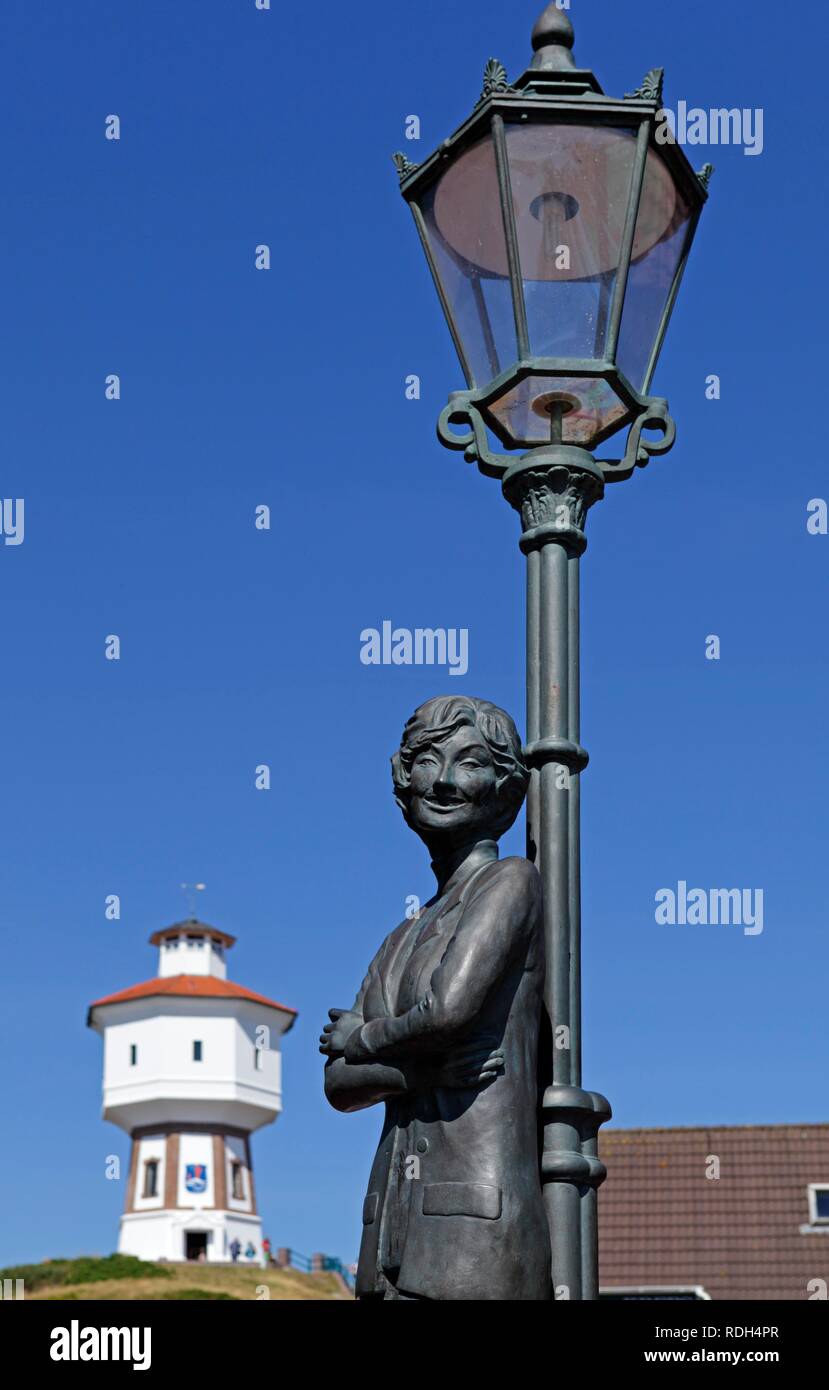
column 241, row 647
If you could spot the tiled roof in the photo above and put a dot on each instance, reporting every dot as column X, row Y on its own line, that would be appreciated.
column 190, row 987
column 664, row 1222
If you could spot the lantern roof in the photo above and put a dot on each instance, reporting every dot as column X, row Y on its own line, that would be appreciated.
column 553, row 86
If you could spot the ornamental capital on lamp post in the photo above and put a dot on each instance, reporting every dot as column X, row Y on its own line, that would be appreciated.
column 557, row 223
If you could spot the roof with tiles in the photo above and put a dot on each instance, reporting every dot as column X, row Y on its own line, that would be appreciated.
column 190, row 986
column 666, row 1220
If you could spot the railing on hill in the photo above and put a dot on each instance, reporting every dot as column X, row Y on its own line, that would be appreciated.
column 313, row 1264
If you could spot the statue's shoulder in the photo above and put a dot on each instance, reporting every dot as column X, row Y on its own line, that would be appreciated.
column 394, row 937
column 519, row 869
column 513, row 889
column 516, row 873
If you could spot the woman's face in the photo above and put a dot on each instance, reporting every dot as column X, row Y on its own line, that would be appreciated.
column 452, row 789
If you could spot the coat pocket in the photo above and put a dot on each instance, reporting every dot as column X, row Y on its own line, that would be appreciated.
column 462, row 1199
column 370, row 1208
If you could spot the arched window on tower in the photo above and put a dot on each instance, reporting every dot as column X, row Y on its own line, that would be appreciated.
column 150, row 1178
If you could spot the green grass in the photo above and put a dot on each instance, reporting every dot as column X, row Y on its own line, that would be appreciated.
column 125, row 1278
column 202, row 1294
column 87, row 1269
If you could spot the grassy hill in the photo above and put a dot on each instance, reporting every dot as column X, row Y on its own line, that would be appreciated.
column 123, row 1278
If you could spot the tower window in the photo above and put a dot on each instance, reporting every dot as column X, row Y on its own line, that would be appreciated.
column 197, row 1057
column 237, row 1182
column 257, row 1058
column 133, row 1054
column 819, row 1204
column 151, row 1178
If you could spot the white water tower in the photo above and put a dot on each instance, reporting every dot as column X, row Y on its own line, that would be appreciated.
column 192, row 1066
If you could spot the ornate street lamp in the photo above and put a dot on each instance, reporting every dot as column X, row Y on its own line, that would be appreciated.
column 557, row 223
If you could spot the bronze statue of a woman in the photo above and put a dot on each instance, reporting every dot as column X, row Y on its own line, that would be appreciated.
column 445, row 1031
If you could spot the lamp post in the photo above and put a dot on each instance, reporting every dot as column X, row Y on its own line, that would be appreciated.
column 557, row 223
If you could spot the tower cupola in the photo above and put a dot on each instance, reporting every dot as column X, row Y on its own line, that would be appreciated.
column 192, row 948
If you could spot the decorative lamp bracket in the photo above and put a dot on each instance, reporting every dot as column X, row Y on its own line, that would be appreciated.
column 474, row 442
column 639, row 451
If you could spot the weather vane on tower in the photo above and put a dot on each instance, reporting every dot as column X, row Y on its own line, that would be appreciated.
column 190, row 890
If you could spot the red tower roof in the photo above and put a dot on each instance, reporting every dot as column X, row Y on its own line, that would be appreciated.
column 191, row 987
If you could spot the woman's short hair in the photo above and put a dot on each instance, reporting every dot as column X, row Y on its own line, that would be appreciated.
column 441, row 717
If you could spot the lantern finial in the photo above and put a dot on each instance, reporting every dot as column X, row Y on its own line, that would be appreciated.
column 553, row 39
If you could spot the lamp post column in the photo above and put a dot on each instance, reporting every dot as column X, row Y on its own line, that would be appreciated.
column 552, row 489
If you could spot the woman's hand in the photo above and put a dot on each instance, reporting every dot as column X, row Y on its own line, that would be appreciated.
column 470, row 1065
column 335, row 1034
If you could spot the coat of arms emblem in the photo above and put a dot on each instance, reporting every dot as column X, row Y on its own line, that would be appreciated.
column 195, row 1177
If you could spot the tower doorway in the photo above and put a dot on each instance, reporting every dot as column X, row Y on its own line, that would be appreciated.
column 195, row 1245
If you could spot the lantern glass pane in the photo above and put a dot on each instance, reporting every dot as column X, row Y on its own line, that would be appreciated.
column 570, row 184
column 653, row 271
column 465, row 231
column 570, row 189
